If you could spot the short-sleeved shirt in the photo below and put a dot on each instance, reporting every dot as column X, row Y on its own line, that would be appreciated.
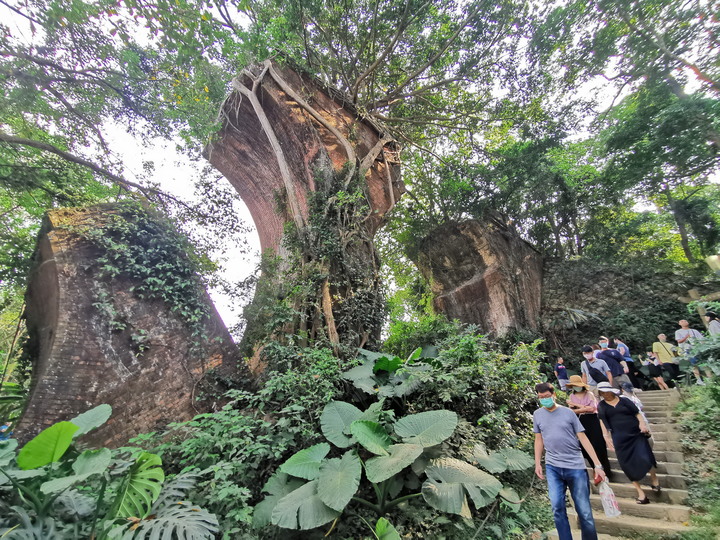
column 559, row 430
column 561, row 371
column 624, row 350
column 664, row 352
column 598, row 364
column 714, row 327
column 693, row 334
column 586, row 399
column 612, row 358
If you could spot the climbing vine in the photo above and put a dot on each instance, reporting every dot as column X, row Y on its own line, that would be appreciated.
column 142, row 245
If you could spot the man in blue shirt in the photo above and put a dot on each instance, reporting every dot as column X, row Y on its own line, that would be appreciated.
column 561, row 373
column 559, row 432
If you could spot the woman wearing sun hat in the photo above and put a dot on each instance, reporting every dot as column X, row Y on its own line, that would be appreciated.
column 583, row 403
column 630, row 435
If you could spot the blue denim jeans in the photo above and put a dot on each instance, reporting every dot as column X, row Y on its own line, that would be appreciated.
column 559, row 480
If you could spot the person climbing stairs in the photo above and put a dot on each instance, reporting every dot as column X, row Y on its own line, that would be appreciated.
column 667, row 513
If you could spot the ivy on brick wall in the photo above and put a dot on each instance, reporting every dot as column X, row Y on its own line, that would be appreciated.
column 142, row 245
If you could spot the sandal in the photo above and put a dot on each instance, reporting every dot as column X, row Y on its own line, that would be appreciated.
column 656, row 489
column 642, row 501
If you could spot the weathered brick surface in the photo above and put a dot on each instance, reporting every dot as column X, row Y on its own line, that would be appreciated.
column 80, row 362
column 485, row 274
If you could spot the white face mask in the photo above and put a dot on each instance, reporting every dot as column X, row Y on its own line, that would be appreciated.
column 588, row 355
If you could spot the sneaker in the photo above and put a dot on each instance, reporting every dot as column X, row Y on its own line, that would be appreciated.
column 700, row 383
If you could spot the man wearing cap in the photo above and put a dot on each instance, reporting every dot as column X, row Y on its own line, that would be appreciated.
column 559, row 432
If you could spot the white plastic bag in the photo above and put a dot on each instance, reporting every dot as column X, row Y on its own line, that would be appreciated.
column 607, row 497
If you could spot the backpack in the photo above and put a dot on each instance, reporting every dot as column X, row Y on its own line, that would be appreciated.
column 597, row 375
column 612, row 358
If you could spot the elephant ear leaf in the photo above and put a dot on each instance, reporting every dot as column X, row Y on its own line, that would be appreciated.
column 385, row 531
column 279, row 485
column 399, row 456
column 491, row 462
column 339, row 480
column 140, row 488
column 426, row 428
column 306, row 463
column 448, row 482
column 47, row 447
column 90, row 462
column 335, row 422
column 516, row 460
column 91, row 419
column 303, row 509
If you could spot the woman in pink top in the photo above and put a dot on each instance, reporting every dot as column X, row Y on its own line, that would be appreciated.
column 584, row 404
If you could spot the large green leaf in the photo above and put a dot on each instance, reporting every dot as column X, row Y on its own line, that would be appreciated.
column 7, row 451
column 511, row 498
column 181, row 520
column 400, row 456
column 87, row 464
column 371, row 436
column 517, row 460
column 385, row 531
column 362, row 377
column 47, row 447
column 306, row 463
column 302, row 509
column 140, row 487
column 335, row 422
column 92, row 419
column 279, row 485
column 492, row 462
column 426, row 428
column 74, row 506
column 339, row 480
column 388, row 363
column 449, row 479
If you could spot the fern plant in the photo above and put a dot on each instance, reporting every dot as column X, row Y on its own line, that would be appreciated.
column 311, row 488
column 49, row 489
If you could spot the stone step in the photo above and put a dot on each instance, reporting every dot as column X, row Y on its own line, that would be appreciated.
column 673, row 436
column 633, row 526
column 666, row 480
column 665, row 456
column 663, row 467
column 667, row 512
column 663, row 447
column 665, row 426
column 553, row 535
column 667, row 495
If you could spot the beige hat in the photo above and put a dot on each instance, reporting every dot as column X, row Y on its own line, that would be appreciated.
column 576, row 380
column 607, row 387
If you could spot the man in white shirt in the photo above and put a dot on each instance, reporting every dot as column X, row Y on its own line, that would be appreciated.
column 686, row 337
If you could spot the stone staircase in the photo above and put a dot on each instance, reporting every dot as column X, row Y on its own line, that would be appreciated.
column 667, row 514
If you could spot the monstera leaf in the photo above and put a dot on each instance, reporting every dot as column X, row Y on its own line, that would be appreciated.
column 140, row 487
column 399, row 456
column 279, row 485
column 426, row 428
column 47, row 447
column 303, row 509
column 180, row 520
column 91, row 419
column 371, row 436
column 448, row 481
column 74, row 506
column 335, row 422
column 306, row 463
column 31, row 528
column 339, row 480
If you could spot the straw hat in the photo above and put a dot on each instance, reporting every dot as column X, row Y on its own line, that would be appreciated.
column 576, row 380
column 607, row 387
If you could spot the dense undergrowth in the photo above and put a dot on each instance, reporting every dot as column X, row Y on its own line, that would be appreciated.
column 239, row 448
column 700, row 420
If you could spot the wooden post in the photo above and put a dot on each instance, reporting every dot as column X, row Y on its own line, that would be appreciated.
column 694, row 296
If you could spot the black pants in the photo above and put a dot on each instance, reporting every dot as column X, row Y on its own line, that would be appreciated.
column 591, row 423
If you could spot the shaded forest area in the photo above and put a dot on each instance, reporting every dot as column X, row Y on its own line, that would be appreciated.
column 591, row 129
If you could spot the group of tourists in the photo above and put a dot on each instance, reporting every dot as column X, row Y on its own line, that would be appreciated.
column 604, row 414
column 585, row 430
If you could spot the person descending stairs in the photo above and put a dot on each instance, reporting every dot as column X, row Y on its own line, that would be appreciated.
column 667, row 513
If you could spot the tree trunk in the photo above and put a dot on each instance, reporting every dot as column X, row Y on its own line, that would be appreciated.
column 681, row 224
